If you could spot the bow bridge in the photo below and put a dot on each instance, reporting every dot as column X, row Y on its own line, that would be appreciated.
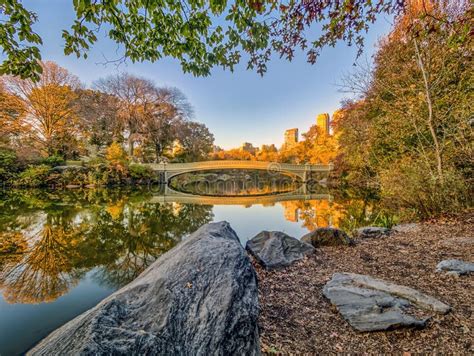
column 303, row 171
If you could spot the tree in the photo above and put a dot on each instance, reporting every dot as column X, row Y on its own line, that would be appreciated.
column 317, row 147
column 137, row 98
column 50, row 119
column 12, row 115
column 198, row 34
column 410, row 132
column 98, row 113
column 165, row 120
column 197, row 141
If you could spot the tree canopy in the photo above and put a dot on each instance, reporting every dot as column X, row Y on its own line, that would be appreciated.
column 199, row 34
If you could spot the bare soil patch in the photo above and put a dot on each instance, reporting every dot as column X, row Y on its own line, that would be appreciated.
column 296, row 318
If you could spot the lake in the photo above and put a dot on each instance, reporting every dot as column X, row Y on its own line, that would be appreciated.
column 61, row 252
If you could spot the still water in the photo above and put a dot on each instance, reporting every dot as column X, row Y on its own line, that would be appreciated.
column 61, row 252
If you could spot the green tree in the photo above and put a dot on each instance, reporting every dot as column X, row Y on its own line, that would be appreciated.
column 196, row 140
column 198, row 34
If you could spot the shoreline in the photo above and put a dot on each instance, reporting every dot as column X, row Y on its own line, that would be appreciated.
column 296, row 318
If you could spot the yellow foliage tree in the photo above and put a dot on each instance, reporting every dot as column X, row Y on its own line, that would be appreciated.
column 116, row 156
column 50, row 117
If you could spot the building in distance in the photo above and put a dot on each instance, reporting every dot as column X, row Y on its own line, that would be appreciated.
column 323, row 122
column 291, row 138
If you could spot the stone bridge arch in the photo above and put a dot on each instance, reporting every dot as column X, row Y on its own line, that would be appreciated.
column 303, row 171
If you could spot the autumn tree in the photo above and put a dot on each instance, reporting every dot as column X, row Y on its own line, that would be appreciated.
column 50, row 118
column 317, row 147
column 165, row 122
column 12, row 115
column 196, row 140
column 410, row 130
column 137, row 98
column 98, row 113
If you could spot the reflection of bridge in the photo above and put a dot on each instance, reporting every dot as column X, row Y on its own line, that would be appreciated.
column 303, row 171
column 171, row 195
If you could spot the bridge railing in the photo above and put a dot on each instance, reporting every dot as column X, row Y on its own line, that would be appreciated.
column 211, row 165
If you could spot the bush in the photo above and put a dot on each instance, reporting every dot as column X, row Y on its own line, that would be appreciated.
column 53, row 161
column 8, row 165
column 34, row 176
column 140, row 172
column 410, row 185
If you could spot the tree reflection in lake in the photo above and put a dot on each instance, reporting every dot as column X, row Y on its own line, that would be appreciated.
column 48, row 241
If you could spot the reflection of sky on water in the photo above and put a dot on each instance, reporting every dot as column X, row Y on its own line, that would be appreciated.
column 249, row 221
column 22, row 325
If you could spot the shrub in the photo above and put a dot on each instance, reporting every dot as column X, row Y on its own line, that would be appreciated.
column 53, row 161
column 140, row 172
column 8, row 165
column 409, row 185
column 34, row 176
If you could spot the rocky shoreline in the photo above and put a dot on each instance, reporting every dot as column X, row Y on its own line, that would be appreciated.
column 324, row 293
column 296, row 317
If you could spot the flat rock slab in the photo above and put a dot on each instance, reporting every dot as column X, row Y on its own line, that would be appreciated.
column 275, row 249
column 456, row 267
column 327, row 236
column 370, row 304
column 200, row 298
column 372, row 232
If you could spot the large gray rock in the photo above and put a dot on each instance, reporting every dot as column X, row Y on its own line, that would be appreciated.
column 370, row 304
column 456, row 267
column 200, row 298
column 327, row 236
column 371, row 232
column 275, row 249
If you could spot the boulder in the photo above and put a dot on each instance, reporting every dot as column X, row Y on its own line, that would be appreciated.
column 370, row 304
column 455, row 267
column 371, row 232
column 274, row 249
column 200, row 298
column 327, row 236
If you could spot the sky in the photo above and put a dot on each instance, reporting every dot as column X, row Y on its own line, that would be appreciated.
column 239, row 106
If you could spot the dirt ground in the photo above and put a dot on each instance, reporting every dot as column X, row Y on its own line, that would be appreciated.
column 296, row 318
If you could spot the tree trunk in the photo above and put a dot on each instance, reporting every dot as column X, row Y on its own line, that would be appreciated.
column 429, row 104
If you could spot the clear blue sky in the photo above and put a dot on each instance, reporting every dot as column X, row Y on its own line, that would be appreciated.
column 237, row 107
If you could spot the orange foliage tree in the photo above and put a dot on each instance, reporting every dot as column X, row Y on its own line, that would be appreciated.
column 50, row 120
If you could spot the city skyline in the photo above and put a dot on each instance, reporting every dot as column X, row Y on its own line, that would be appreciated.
column 290, row 94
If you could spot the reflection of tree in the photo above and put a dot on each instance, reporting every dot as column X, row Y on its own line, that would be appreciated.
column 45, row 270
column 142, row 234
column 313, row 213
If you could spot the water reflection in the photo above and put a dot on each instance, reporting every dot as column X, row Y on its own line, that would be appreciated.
column 47, row 248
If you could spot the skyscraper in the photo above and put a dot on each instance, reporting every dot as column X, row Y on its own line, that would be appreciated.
column 322, row 121
column 291, row 137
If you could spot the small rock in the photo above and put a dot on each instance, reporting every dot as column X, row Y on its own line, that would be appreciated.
column 274, row 249
column 405, row 227
column 455, row 267
column 371, row 232
column 370, row 304
column 327, row 236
